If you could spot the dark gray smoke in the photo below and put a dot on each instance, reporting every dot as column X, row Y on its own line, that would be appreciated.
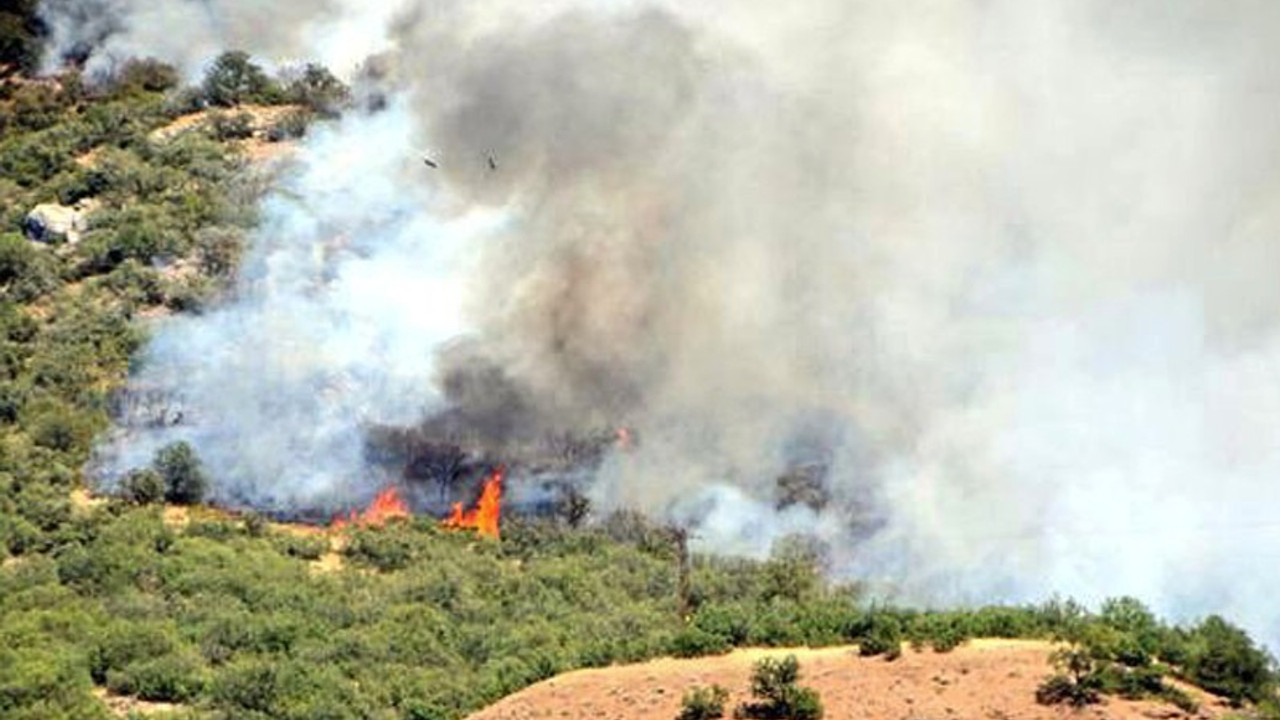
column 1001, row 271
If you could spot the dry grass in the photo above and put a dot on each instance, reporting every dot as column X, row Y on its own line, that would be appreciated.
column 123, row 705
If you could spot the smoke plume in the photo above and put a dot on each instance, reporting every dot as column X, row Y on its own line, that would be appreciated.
column 1003, row 270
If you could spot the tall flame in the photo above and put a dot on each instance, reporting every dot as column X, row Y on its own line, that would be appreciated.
column 484, row 518
column 385, row 506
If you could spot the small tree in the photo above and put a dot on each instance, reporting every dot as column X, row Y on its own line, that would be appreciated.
column 233, row 79
column 773, row 683
column 1076, row 682
column 317, row 88
column 184, row 480
column 146, row 75
column 143, row 487
column 703, row 703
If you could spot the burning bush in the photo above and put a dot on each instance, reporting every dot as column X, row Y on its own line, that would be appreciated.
column 487, row 513
column 386, row 505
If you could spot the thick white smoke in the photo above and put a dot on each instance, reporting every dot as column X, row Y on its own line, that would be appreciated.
column 1006, row 268
column 347, row 291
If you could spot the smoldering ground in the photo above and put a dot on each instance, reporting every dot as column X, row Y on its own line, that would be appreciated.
column 1004, row 268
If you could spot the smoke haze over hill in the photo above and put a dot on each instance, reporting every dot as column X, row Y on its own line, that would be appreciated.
column 1006, row 269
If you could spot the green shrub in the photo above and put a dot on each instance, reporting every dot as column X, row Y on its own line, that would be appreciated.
column 305, row 547
column 251, row 686
column 385, row 549
column 145, row 75
column 773, row 684
column 317, row 89
column 731, row 622
column 122, row 644
column 255, row 525
column 234, row 79
column 57, row 426
column 184, row 480
column 883, row 636
column 1077, row 681
column 143, row 487
column 230, row 126
column 695, row 642
column 703, row 703
column 173, row 679
column 212, row 529
column 291, row 126
column 26, row 272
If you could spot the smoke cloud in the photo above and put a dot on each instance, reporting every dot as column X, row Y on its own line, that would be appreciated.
column 1003, row 270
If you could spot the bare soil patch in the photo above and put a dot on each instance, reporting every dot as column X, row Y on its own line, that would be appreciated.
column 995, row 680
column 125, row 706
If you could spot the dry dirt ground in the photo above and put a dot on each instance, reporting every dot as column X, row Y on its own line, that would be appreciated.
column 125, row 707
column 994, row 680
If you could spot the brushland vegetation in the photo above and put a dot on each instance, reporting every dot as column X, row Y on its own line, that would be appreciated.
column 227, row 617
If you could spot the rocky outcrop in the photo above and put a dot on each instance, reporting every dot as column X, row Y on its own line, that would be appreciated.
column 50, row 222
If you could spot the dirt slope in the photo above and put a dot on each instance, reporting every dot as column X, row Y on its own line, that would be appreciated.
column 983, row 679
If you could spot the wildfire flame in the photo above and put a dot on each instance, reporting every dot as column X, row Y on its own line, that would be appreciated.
column 386, row 506
column 484, row 518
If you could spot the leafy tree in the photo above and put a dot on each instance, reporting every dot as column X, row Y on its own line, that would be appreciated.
column 234, row 79
column 795, row 568
column 184, row 480
column 1224, row 660
column 1077, row 681
column 316, row 88
column 145, row 75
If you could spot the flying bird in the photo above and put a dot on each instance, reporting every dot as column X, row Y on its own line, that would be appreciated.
column 493, row 165
column 430, row 163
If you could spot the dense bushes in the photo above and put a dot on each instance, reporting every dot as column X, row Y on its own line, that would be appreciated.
column 235, row 619
column 1125, row 651
column 1222, row 659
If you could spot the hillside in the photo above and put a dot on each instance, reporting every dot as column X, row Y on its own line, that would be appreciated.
column 140, row 599
column 982, row 679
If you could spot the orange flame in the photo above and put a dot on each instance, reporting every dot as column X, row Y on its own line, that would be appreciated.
column 387, row 505
column 484, row 518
